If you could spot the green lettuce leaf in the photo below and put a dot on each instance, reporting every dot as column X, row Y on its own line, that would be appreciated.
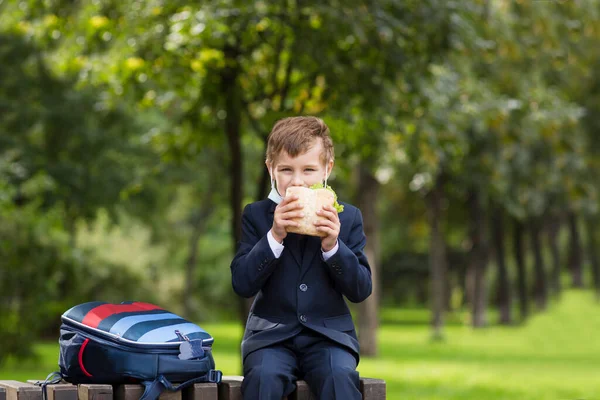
column 337, row 205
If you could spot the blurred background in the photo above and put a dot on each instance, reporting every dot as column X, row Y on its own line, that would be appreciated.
column 132, row 133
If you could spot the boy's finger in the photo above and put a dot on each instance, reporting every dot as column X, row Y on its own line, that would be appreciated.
column 289, row 199
column 331, row 208
column 284, row 202
column 325, row 229
column 288, row 222
column 290, row 207
column 325, row 222
column 292, row 214
column 328, row 214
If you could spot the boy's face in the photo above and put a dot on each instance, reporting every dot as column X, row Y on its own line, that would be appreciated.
column 304, row 170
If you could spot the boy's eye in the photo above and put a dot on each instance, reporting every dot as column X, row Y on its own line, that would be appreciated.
column 309, row 169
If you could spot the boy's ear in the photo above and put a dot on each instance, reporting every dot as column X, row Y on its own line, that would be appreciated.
column 269, row 164
column 330, row 167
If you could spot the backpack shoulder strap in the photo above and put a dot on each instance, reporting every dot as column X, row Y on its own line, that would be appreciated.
column 160, row 384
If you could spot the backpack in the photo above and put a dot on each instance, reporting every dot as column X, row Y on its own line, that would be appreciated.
column 134, row 342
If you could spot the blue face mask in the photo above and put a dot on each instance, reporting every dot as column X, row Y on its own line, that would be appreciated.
column 274, row 194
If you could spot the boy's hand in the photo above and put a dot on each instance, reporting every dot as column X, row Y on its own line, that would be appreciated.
column 284, row 212
column 330, row 225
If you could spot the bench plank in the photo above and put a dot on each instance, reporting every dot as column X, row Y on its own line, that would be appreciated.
column 95, row 392
column 166, row 395
column 372, row 389
column 135, row 391
column 230, row 388
column 62, row 392
column 58, row 391
column 302, row 392
column 128, row 392
column 201, row 391
column 21, row 391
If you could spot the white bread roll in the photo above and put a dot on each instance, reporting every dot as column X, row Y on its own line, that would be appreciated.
column 312, row 200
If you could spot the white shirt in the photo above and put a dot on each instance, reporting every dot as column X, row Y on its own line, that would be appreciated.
column 277, row 247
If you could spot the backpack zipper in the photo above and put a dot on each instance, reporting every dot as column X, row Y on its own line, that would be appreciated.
column 119, row 342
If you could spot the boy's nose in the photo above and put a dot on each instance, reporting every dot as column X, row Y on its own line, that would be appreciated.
column 297, row 181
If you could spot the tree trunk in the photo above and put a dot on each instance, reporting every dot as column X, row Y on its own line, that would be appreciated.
column 233, row 108
column 368, row 321
column 478, row 258
column 437, row 257
column 71, row 227
column 66, row 280
column 264, row 183
column 198, row 225
column 518, row 232
column 540, row 290
column 504, row 292
column 591, row 225
column 190, row 267
column 553, row 229
column 448, row 291
column 575, row 257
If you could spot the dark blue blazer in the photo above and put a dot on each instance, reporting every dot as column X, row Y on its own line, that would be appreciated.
column 299, row 289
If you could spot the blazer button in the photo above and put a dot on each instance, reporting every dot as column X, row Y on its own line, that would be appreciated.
column 303, row 287
column 303, row 318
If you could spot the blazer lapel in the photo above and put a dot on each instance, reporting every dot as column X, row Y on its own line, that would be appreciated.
column 272, row 208
column 292, row 244
column 271, row 213
column 313, row 246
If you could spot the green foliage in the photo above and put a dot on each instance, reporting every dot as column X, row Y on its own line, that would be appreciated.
column 65, row 152
column 42, row 275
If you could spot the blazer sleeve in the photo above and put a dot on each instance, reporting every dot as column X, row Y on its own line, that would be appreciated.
column 349, row 267
column 254, row 260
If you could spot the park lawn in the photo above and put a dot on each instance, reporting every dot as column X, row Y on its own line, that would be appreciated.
column 556, row 355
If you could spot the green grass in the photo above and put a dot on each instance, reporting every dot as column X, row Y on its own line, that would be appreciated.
column 556, row 355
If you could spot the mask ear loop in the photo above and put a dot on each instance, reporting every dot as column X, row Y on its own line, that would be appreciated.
column 273, row 182
column 326, row 167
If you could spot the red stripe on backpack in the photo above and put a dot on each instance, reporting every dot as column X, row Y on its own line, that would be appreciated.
column 96, row 315
column 80, row 358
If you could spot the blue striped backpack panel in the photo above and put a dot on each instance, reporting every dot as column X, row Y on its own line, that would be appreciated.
column 135, row 323
column 134, row 342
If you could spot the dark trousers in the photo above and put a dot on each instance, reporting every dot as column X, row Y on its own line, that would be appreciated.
column 328, row 368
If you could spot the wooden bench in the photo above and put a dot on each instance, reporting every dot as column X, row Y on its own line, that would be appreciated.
column 228, row 389
column 231, row 389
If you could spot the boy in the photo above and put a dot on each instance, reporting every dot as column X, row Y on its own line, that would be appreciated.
column 299, row 326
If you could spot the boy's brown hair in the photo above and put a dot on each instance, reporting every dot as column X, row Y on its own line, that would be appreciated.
column 295, row 135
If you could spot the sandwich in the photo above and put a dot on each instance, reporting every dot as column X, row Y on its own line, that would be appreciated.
column 313, row 199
